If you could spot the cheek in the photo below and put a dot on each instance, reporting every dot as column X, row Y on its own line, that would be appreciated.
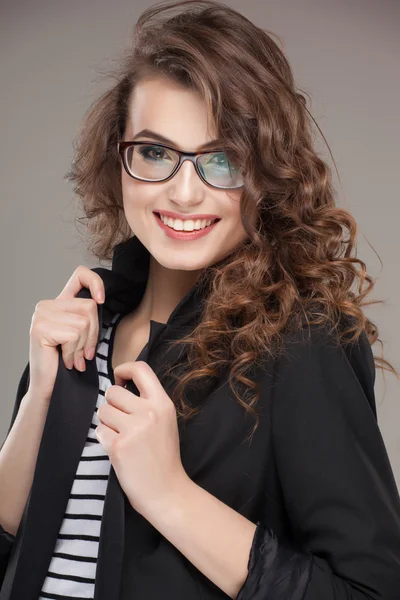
column 125, row 189
column 127, row 185
column 138, row 199
column 234, row 210
column 133, row 192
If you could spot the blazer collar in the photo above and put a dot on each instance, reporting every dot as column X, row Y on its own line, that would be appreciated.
column 125, row 284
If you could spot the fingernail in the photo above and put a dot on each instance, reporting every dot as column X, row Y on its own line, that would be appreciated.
column 81, row 363
column 89, row 353
column 100, row 296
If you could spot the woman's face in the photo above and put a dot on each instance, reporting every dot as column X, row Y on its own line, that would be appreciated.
column 179, row 114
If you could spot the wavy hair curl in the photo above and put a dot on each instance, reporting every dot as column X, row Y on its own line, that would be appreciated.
column 298, row 261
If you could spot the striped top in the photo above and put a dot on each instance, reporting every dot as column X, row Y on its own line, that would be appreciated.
column 72, row 570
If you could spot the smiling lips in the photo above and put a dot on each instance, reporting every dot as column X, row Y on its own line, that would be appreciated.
column 176, row 223
column 185, row 235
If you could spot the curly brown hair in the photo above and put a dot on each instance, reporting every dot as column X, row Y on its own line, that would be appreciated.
column 297, row 263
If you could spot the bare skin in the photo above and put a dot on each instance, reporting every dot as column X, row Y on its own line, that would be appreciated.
column 129, row 340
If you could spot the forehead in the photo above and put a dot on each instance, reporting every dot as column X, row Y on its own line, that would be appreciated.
column 178, row 113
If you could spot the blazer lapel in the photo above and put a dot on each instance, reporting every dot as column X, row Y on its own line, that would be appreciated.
column 67, row 424
column 111, row 547
column 68, row 419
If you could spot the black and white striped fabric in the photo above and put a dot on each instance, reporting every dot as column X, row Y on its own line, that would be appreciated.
column 72, row 569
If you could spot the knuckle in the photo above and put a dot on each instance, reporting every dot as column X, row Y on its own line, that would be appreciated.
column 79, row 269
column 76, row 336
column 117, row 449
column 37, row 326
column 40, row 305
column 168, row 407
column 84, row 321
column 92, row 305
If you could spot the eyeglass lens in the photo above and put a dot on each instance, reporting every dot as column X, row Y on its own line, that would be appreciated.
column 150, row 161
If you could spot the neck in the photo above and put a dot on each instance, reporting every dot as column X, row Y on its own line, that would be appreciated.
column 164, row 290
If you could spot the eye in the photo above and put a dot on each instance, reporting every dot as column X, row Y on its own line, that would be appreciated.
column 154, row 153
column 218, row 159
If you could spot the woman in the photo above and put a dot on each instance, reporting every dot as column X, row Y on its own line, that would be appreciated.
column 136, row 476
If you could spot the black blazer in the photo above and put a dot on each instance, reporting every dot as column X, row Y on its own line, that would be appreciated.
column 316, row 478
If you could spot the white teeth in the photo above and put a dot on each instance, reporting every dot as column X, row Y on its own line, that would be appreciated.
column 187, row 224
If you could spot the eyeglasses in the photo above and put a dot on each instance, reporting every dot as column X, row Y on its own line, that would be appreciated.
column 156, row 162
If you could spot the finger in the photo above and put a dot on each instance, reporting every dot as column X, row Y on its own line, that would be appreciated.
column 120, row 398
column 63, row 334
column 123, row 373
column 73, row 351
column 76, row 312
column 106, row 437
column 142, row 375
column 112, row 417
column 83, row 277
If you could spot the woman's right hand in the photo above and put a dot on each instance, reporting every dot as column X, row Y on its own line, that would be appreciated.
column 69, row 321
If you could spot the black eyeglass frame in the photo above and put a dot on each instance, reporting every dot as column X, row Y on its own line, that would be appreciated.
column 122, row 146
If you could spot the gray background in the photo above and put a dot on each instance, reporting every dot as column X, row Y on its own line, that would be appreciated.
column 344, row 53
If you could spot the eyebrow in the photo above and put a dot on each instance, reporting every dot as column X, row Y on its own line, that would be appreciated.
column 165, row 140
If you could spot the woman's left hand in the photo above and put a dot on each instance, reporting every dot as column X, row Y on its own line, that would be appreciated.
column 140, row 435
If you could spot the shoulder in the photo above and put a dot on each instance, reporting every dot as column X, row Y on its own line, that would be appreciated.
column 322, row 341
column 317, row 368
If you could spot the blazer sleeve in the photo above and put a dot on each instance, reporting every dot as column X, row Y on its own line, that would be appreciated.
column 337, row 483
column 7, row 539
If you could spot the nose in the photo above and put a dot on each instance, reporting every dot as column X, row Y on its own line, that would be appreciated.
column 186, row 176
column 185, row 165
column 186, row 187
